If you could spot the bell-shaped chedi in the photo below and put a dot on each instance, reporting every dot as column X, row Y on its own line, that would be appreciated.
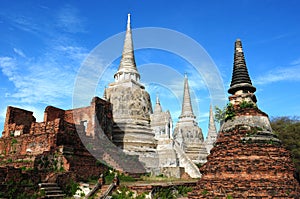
column 247, row 160
column 131, row 108
column 187, row 133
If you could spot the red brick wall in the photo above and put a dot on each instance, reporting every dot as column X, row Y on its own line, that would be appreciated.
column 59, row 131
column 51, row 113
column 19, row 117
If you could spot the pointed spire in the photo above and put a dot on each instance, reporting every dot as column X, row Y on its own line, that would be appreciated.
column 157, row 99
column 212, row 131
column 127, row 68
column 128, row 22
column 157, row 108
column 240, row 76
column 211, row 126
column 187, row 110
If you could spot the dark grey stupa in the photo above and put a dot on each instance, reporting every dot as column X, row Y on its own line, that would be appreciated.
column 240, row 76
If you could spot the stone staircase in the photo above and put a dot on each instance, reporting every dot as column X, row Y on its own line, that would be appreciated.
column 126, row 163
column 105, row 150
column 186, row 162
column 107, row 157
column 51, row 190
column 123, row 162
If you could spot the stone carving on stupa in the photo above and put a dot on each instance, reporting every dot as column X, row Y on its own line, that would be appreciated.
column 247, row 160
column 187, row 132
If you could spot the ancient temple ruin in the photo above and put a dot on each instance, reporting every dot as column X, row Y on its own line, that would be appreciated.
column 247, row 160
column 54, row 144
column 137, row 130
column 121, row 131
column 187, row 132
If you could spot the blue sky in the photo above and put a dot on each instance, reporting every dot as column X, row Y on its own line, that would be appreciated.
column 43, row 44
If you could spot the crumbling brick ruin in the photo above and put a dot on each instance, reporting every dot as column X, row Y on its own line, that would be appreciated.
column 247, row 160
column 68, row 145
column 54, row 145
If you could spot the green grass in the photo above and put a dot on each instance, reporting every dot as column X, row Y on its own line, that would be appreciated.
column 123, row 178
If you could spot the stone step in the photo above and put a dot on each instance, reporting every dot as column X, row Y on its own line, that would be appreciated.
column 115, row 157
column 46, row 184
column 53, row 191
column 50, row 188
column 55, row 196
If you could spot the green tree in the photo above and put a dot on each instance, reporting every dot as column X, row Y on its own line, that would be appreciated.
column 220, row 115
column 288, row 131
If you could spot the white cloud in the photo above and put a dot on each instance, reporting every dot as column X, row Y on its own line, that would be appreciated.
column 8, row 66
column 41, row 81
column 23, row 23
column 296, row 62
column 73, row 52
column 19, row 52
column 48, row 80
column 44, row 84
column 289, row 73
column 69, row 20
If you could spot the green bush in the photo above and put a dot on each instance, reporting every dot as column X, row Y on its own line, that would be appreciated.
column 14, row 141
column 204, row 192
column 245, row 104
column 183, row 190
column 229, row 197
column 166, row 193
column 15, row 190
column 230, row 112
column 98, row 163
column 71, row 188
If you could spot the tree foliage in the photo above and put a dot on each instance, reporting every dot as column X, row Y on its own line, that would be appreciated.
column 220, row 114
column 288, row 131
column 224, row 114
